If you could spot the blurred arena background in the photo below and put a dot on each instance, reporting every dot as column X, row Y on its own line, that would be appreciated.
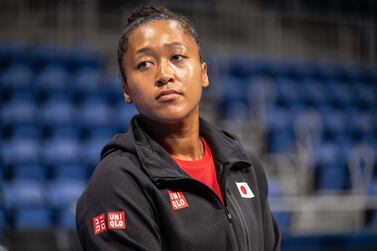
column 294, row 79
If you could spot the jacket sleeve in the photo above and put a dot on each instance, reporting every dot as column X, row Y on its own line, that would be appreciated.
column 272, row 236
column 115, row 188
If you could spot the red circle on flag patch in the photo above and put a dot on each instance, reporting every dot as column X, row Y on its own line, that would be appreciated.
column 243, row 190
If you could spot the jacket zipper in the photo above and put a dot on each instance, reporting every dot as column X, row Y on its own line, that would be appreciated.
column 225, row 173
column 242, row 219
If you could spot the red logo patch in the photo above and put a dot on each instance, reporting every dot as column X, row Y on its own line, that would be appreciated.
column 116, row 220
column 99, row 224
column 177, row 200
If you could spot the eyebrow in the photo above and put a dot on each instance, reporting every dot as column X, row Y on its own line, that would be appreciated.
column 148, row 49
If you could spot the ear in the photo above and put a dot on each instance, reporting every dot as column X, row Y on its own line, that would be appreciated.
column 205, row 81
column 126, row 95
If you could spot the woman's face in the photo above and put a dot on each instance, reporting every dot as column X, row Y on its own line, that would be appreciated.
column 164, row 75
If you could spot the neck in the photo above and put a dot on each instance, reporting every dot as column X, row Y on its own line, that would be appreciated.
column 181, row 140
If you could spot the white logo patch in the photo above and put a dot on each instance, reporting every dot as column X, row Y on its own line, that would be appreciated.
column 244, row 190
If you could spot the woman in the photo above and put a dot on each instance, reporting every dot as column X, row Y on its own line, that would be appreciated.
column 173, row 181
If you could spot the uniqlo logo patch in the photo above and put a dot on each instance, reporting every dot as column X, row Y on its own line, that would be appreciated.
column 177, row 200
column 116, row 220
column 244, row 190
column 99, row 224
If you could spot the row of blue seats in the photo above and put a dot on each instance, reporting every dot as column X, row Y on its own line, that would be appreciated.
column 38, row 218
column 42, row 172
column 234, row 94
column 55, row 78
column 244, row 67
column 56, row 194
column 58, row 150
column 43, row 55
column 91, row 112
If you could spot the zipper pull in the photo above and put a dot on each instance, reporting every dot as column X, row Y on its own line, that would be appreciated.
column 228, row 214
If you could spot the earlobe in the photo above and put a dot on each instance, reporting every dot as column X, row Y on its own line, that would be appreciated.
column 205, row 81
column 127, row 97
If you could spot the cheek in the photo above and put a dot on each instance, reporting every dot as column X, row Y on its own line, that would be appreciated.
column 189, row 75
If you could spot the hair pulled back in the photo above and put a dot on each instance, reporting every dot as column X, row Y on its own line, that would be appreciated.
column 144, row 15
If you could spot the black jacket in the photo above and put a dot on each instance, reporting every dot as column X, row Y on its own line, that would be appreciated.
column 135, row 176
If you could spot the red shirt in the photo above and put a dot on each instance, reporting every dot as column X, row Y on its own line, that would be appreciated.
column 202, row 170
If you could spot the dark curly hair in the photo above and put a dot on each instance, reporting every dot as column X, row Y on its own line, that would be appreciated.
column 144, row 15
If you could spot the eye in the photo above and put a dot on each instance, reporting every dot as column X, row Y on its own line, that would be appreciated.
column 177, row 58
column 143, row 65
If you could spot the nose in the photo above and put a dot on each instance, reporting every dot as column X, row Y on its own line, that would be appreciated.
column 164, row 74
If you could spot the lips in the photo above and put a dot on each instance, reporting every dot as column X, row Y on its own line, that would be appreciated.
column 168, row 95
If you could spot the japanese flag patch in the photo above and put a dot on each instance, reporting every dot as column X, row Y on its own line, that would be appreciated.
column 244, row 190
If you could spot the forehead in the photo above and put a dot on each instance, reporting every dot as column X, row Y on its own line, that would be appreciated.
column 159, row 33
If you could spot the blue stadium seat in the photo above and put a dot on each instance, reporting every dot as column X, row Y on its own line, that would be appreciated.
column 67, row 218
column 28, row 171
column 20, row 150
column 340, row 94
column 3, row 224
column 111, row 87
column 283, row 221
column 95, row 112
column 333, row 178
column 314, row 93
column 62, row 193
column 327, row 154
column 52, row 78
column 72, row 171
column 3, row 220
column 33, row 218
column 368, row 73
column 279, row 119
column 281, row 141
column 16, row 76
column 334, row 122
column 372, row 189
column 87, row 82
column 19, row 112
column 22, row 193
column 241, row 67
column 365, row 96
column 93, row 147
column 236, row 111
column 274, row 188
column 48, row 54
column 61, row 150
column 26, row 131
column 124, row 113
column 23, row 94
column 14, row 52
column 289, row 92
column 2, row 171
column 81, row 56
column 323, row 71
column 58, row 112
column 361, row 125
column 331, row 171
column 347, row 72
column 234, row 94
column 62, row 131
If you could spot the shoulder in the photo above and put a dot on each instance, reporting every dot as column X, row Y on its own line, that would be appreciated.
column 116, row 178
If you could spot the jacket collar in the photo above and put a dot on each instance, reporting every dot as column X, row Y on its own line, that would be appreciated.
column 226, row 151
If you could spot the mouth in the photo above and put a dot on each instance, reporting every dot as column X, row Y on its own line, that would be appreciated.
column 168, row 95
